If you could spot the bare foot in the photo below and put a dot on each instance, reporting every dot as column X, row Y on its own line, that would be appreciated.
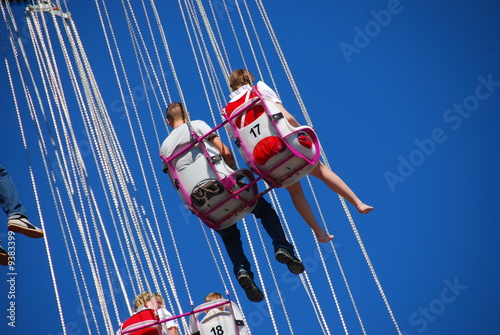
column 324, row 237
column 364, row 209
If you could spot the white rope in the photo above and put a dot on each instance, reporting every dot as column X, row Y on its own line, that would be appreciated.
column 130, row 203
column 258, row 270
column 341, row 268
column 215, row 46
column 86, row 80
column 243, row 24
column 125, row 105
column 308, row 120
column 170, row 279
column 97, row 96
column 144, row 68
column 282, row 58
column 212, row 253
column 203, row 50
column 87, row 194
column 158, row 59
column 138, row 232
column 370, row 265
column 237, row 40
column 280, row 296
column 101, row 249
column 154, row 175
column 167, row 51
column 149, row 262
column 52, row 74
column 213, row 40
column 221, row 40
column 305, row 277
column 30, row 105
column 261, row 48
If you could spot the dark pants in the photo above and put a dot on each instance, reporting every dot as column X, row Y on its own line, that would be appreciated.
column 269, row 219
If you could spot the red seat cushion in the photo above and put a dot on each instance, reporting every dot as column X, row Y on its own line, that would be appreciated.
column 249, row 116
column 267, row 148
column 146, row 318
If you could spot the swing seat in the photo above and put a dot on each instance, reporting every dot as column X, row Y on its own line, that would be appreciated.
column 275, row 150
column 146, row 322
column 219, row 316
column 210, row 189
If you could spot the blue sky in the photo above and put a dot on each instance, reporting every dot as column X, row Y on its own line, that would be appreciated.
column 404, row 96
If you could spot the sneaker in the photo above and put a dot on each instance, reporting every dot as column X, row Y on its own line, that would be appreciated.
column 19, row 223
column 285, row 256
column 246, row 282
column 4, row 258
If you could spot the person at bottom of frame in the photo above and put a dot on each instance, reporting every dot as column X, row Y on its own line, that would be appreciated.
column 17, row 220
column 215, row 313
column 147, row 300
column 172, row 326
column 231, row 236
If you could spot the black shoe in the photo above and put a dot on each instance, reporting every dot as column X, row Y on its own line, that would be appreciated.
column 246, row 281
column 4, row 258
column 285, row 256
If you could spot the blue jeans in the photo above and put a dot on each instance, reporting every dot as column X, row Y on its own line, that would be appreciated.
column 269, row 219
column 9, row 199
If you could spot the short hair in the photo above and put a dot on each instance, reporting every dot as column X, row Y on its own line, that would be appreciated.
column 239, row 78
column 175, row 111
column 141, row 300
column 213, row 296
column 159, row 298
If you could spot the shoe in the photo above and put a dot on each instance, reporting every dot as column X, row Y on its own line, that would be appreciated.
column 19, row 223
column 4, row 258
column 285, row 256
column 246, row 282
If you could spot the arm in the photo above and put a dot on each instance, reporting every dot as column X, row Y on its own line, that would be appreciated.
column 288, row 116
column 268, row 93
column 224, row 151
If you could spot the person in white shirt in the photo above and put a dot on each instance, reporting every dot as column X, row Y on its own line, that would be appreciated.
column 155, row 301
column 240, row 82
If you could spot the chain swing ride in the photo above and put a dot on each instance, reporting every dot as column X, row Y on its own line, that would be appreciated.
column 110, row 208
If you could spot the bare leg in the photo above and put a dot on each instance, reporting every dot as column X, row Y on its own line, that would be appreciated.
column 339, row 186
column 302, row 206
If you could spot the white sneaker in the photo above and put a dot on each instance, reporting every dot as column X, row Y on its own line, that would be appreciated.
column 19, row 223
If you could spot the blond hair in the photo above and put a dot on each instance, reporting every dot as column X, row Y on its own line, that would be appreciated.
column 213, row 296
column 240, row 78
column 159, row 298
column 142, row 299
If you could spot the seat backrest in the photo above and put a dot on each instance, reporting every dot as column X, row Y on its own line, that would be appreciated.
column 146, row 322
column 225, row 318
column 269, row 144
column 213, row 191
